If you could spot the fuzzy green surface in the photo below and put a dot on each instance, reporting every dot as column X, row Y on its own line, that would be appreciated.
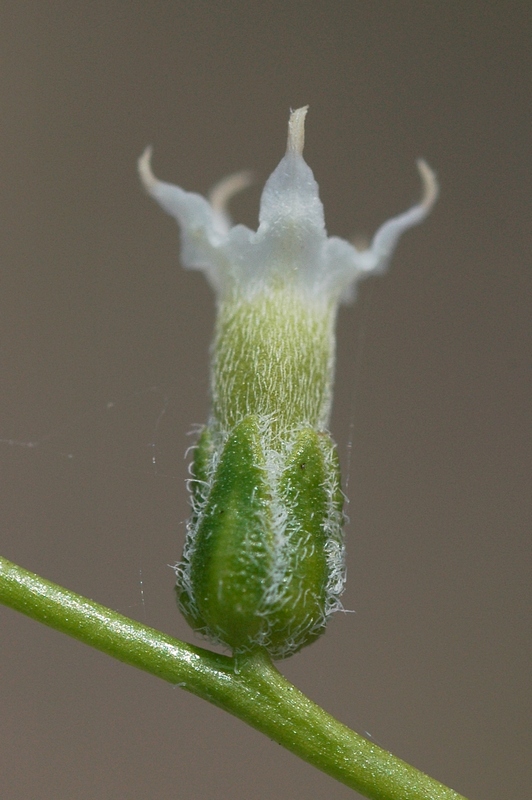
column 273, row 356
column 257, row 570
column 229, row 560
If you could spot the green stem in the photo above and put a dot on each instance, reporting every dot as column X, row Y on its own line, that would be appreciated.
column 251, row 688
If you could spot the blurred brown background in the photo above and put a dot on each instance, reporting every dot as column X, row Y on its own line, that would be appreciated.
column 104, row 358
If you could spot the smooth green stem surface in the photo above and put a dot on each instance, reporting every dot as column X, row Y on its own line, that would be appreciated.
column 251, row 688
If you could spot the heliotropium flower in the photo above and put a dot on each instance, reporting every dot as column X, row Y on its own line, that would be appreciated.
column 263, row 563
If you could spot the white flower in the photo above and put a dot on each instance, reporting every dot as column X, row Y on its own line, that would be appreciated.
column 263, row 562
column 290, row 245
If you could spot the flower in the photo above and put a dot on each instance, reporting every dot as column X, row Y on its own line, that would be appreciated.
column 263, row 563
column 291, row 244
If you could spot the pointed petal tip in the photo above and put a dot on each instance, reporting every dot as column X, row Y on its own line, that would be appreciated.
column 296, row 131
column 431, row 187
column 222, row 192
column 145, row 171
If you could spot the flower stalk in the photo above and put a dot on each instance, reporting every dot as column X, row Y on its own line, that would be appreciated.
column 251, row 689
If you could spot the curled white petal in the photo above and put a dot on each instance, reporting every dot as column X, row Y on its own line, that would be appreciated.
column 200, row 235
column 350, row 264
column 388, row 235
column 222, row 192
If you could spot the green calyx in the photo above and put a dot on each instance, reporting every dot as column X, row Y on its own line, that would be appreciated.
column 263, row 563
column 273, row 356
column 264, row 556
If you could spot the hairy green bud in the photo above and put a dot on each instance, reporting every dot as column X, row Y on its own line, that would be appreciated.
column 263, row 564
